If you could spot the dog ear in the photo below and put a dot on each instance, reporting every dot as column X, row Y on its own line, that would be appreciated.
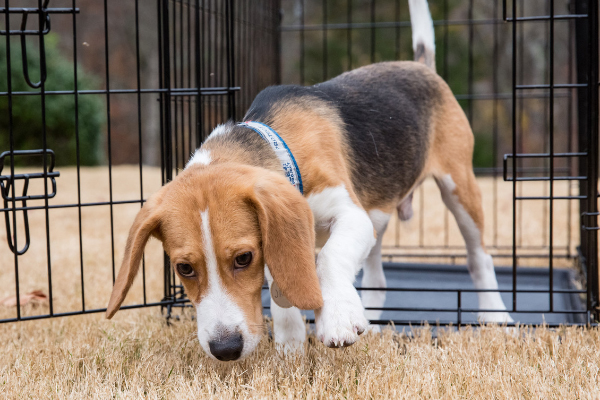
column 288, row 240
column 145, row 224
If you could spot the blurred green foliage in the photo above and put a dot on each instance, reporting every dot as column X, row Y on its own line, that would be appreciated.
column 61, row 127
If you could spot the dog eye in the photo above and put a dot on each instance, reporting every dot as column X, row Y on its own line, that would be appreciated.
column 243, row 260
column 186, row 270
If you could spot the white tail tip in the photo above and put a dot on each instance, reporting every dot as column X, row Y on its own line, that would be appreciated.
column 422, row 32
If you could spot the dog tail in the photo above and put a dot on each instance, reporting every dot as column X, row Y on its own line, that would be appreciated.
column 423, row 37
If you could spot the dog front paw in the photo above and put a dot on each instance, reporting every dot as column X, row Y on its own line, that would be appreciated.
column 341, row 320
column 290, row 339
column 289, row 329
column 290, row 347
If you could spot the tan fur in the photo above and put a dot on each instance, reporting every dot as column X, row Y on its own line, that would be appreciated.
column 451, row 152
column 250, row 210
column 318, row 130
column 220, row 152
column 144, row 225
column 286, row 224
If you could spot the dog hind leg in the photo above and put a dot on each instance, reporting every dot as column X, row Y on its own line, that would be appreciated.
column 373, row 276
column 461, row 195
column 450, row 163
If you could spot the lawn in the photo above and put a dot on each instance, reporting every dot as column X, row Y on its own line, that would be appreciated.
column 137, row 356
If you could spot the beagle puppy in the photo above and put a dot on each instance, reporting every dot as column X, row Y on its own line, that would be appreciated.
column 324, row 165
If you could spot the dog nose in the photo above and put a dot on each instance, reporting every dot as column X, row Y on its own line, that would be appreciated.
column 227, row 347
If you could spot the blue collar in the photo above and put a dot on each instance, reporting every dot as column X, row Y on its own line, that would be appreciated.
column 288, row 162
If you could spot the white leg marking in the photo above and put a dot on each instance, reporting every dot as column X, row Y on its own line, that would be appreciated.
column 289, row 330
column 341, row 319
column 201, row 156
column 479, row 263
column 373, row 275
column 217, row 312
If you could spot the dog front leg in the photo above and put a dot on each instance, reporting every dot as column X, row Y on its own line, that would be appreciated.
column 289, row 329
column 351, row 237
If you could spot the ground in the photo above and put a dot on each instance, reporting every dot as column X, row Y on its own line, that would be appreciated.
column 138, row 355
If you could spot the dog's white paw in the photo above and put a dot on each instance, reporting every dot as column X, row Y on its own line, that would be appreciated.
column 341, row 320
column 290, row 347
column 290, row 339
column 289, row 329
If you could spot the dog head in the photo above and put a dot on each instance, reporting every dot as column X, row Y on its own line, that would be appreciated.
column 221, row 225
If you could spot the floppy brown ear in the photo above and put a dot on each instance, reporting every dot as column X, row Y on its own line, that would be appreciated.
column 288, row 240
column 146, row 221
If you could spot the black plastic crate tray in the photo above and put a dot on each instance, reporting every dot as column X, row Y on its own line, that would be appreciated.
column 418, row 306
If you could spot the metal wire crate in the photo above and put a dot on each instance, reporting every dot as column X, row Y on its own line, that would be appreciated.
column 526, row 73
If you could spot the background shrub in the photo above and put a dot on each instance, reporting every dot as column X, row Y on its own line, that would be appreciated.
column 61, row 128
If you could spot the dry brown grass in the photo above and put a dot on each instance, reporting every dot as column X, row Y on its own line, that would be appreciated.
column 138, row 356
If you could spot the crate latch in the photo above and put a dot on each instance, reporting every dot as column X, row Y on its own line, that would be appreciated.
column 43, row 15
column 7, row 188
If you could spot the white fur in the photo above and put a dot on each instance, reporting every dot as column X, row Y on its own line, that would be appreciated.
column 351, row 238
column 201, row 156
column 217, row 311
column 220, row 130
column 480, row 264
column 380, row 221
column 373, row 275
column 289, row 329
column 421, row 24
